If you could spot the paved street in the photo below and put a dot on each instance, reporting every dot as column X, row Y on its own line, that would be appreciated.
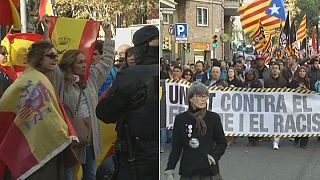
column 263, row 163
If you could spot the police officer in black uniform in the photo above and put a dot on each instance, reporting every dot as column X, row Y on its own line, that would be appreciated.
column 133, row 103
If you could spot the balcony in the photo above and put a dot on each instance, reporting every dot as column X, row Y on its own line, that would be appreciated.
column 167, row 4
column 231, row 7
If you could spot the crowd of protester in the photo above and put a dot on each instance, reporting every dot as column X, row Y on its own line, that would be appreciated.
column 290, row 72
column 80, row 98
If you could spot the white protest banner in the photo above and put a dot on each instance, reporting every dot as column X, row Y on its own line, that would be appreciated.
column 261, row 112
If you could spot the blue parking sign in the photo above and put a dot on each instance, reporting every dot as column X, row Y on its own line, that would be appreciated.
column 181, row 31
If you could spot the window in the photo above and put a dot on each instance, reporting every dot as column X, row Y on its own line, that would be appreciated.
column 202, row 16
column 167, row 18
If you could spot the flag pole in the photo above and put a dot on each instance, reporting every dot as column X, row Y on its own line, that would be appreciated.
column 306, row 39
column 23, row 14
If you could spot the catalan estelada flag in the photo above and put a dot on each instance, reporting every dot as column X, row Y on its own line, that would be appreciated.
column 9, row 14
column 45, row 8
column 34, row 127
column 258, row 39
column 302, row 29
column 271, row 13
column 268, row 49
column 69, row 33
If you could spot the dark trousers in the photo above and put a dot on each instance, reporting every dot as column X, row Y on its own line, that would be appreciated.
column 145, row 166
column 253, row 140
column 303, row 141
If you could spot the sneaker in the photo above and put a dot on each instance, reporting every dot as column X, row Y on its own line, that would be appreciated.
column 291, row 139
column 161, row 150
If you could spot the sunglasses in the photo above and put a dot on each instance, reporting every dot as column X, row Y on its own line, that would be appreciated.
column 187, row 74
column 52, row 56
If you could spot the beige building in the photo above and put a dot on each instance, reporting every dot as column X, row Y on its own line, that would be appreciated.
column 205, row 18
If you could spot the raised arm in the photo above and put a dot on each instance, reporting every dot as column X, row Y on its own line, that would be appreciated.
column 45, row 22
column 100, row 71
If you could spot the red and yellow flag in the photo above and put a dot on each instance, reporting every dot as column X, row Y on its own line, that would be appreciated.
column 45, row 8
column 82, row 36
column 302, row 30
column 34, row 127
column 258, row 38
column 17, row 45
column 9, row 14
column 271, row 13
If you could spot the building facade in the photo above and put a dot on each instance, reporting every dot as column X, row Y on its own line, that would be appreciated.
column 205, row 18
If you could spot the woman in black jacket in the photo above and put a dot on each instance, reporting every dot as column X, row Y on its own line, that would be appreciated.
column 252, row 81
column 300, row 80
column 198, row 134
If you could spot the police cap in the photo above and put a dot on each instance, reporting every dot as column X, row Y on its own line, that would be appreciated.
column 145, row 34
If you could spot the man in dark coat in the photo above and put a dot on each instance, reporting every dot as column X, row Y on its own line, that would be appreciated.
column 133, row 103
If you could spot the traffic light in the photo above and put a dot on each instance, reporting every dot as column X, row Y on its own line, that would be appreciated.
column 166, row 43
column 244, row 46
column 214, row 41
column 187, row 47
column 184, row 46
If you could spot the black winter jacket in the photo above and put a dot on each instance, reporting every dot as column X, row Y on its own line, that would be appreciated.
column 194, row 161
column 135, row 94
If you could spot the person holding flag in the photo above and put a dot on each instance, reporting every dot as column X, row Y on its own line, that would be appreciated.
column 33, row 118
column 80, row 98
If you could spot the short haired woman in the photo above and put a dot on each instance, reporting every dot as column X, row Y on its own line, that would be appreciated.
column 199, row 136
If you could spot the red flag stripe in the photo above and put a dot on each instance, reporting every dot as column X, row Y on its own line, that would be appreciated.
column 256, row 33
column 87, row 42
column 53, row 21
column 252, row 5
column 42, row 7
column 250, row 15
column 271, row 23
column 266, row 17
column 22, row 151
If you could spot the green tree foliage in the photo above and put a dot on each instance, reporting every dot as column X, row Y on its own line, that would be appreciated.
column 312, row 9
column 131, row 10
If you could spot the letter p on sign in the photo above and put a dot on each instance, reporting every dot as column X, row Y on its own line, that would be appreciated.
column 181, row 31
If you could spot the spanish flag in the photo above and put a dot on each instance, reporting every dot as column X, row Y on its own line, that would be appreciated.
column 34, row 127
column 45, row 8
column 17, row 45
column 82, row 36
column 9, row 14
